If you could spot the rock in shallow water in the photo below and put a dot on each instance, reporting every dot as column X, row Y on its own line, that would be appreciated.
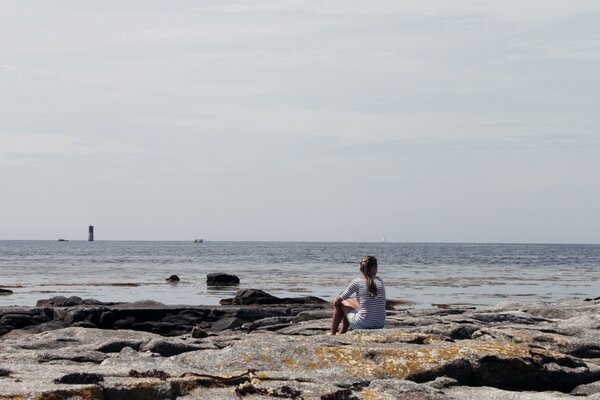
column 221, row 279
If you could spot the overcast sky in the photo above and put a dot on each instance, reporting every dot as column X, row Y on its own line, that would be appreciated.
column 458, row 121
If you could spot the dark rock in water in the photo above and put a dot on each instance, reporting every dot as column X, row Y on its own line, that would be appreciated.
column 4, row 372
column 255, row 296
column 79, row 378
column 5, row 292
column 62, row 301
column 167, row 348
column 173, row 279
column 220, row 279
column 198, row 333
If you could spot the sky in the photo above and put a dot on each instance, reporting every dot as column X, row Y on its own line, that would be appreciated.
column 287, row 120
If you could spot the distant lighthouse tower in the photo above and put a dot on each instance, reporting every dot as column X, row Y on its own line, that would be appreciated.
column 91, row 233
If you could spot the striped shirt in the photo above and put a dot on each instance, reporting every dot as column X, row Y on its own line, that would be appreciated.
column 371, row 314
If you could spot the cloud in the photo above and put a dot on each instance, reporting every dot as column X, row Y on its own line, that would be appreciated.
column 17, row 144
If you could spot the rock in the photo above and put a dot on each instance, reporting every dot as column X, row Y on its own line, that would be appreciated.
column 169, row 348
column 221, row 279
column 62, row 301
column 94, row 357
column 115, row 346
column 586, row 390
column 278, row 322
column 4, row 292
column 227, row 323
column 17, row 321
column 173, row 279
column 255, row 296
column 490, row 393
column 312, row 315
column 442, row 382
column 199, row 333
column 4, row 372
column 84, row 324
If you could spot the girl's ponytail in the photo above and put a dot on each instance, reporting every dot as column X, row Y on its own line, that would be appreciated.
column 368, row 267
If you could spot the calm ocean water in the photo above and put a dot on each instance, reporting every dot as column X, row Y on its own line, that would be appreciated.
column 425, row 273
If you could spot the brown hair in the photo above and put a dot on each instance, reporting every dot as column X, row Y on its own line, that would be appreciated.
column 368, row 267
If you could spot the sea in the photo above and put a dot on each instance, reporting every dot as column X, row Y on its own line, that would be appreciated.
column 419, row 274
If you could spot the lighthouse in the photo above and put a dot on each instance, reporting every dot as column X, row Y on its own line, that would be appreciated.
column 91, row 233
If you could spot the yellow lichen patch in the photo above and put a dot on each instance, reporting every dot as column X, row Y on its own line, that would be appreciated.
column 267, row 358
column 402, row 363
column 369, row 394
column 396, row 337
column 289, row 362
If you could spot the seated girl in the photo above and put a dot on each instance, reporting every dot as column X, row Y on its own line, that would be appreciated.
column 367, row 311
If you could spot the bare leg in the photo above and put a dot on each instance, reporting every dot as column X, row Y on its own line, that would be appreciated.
column 339, row 315
column 348, row 303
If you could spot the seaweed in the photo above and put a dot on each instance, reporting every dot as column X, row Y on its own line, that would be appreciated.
column 343, row 394
column 154, row 373
column 284, row 392
column 79, row 378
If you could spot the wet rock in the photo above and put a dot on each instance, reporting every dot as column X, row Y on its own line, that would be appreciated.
column 4, row 292
column 172, row 279
column 4, row 372
column 62, row 301
column 221, row 279
column 17, row 321
column 255, row 296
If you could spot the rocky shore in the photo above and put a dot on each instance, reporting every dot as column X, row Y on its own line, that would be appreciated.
column 260, row 346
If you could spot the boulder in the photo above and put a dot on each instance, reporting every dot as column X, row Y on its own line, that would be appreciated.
column 4, row 292
column 173, row 279
column 221, row 279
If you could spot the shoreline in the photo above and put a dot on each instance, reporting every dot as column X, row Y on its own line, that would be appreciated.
column 528, row 350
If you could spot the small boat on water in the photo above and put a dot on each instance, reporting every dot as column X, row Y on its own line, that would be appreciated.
column 62, row 240
column 198, row 240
